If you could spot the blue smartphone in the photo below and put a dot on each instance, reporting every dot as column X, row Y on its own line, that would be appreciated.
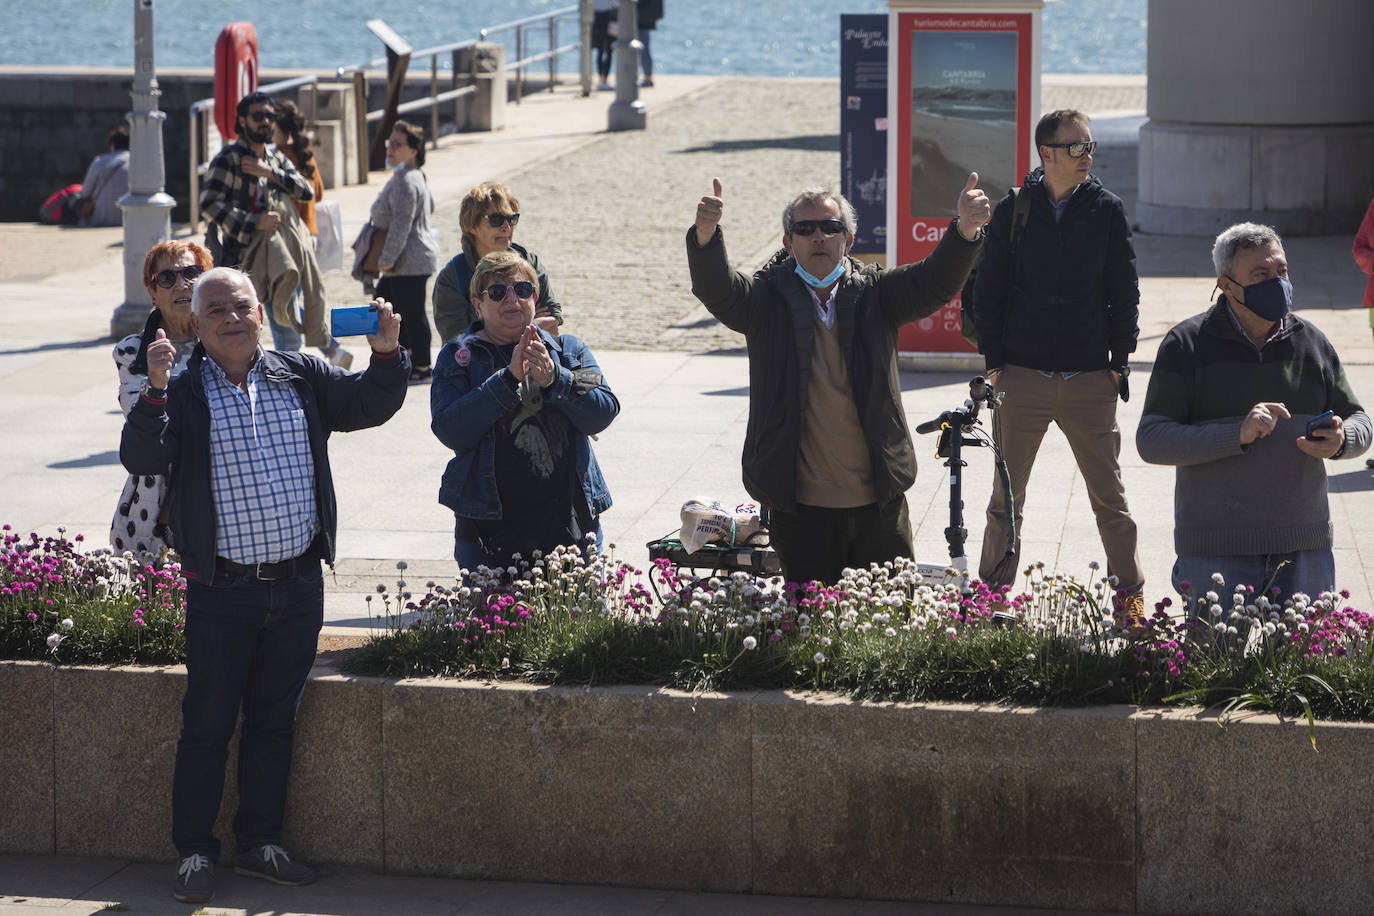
column 1320, row 421
column 350, row 322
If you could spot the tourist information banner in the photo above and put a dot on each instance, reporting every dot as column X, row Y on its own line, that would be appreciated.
column 964, row 90
column 863, row 126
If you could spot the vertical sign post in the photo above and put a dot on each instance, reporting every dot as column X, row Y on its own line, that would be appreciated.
column 964, row 90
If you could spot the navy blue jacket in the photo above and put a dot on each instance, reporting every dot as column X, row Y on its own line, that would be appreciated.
column 175, row 440
column 1071, row 301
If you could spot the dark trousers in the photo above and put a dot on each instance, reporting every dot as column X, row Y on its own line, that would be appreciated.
column 407, row 294
column 818, row 543
column 601, row 42
column 249, row 646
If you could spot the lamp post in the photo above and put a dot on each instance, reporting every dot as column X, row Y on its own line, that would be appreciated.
column 627, row 111
column 147, row 207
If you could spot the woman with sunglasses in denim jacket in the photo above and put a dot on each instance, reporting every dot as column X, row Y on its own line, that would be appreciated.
column 517, row 406
column 169, row 271
column 488, row 216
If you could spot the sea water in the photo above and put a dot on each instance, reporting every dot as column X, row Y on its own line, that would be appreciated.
column 716, row 37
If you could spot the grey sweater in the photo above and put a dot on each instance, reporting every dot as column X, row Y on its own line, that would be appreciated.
column 403, row 209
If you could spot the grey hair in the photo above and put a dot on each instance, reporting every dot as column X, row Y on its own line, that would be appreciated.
column 820, row 195
column 223, row 274
column 1240, row 237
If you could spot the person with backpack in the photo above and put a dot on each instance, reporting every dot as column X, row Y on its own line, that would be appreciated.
column 488, row 216
column 1057, row 320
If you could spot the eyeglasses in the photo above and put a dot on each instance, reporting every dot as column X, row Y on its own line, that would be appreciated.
column 808, row 226
column 497, row 220
column 263, row 117
column 168, row 278
column 1076, row 150
column 523, row 290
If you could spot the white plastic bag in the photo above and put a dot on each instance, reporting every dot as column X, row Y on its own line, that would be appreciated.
column 708, row 521
column 329, row 244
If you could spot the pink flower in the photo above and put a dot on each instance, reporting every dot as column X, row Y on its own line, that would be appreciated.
column 463, row 356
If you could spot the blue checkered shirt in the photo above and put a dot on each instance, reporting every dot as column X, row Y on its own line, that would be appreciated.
column 261, row 469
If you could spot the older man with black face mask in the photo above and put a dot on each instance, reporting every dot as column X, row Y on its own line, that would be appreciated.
column 1229, row 404
column 828, row 453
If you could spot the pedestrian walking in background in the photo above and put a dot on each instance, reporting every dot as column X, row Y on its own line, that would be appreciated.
column 410, row 255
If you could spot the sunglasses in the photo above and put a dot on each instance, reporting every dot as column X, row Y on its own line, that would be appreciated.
column 263, row 117
column 168, row 278
column 497, row 220
column 523, row 290
column 809, row 226
column 1076, row 150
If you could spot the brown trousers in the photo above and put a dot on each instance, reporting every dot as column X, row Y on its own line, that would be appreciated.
column 1084, row 409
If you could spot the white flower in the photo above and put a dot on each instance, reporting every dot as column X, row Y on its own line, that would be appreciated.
column 889, row 632
column 950, row 631
column 1212, row 597
column 1218, row 578
column 68, row 623
column 1030, row 656
column 825, row 642
column 54, row 640
column 819, row 658
column 505, row 663
column 750, row 643
column 402, row 564
column 1216, row 610
column 1094, row 565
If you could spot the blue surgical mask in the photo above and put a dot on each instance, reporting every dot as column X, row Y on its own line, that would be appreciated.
column 1269, row 299
column 397, row 167
column 821, row 282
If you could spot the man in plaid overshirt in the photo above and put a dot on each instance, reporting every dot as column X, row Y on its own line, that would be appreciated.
column 248, row 196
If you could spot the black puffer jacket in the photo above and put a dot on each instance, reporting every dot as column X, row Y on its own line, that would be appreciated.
column 774, row 312
column 1073, row 303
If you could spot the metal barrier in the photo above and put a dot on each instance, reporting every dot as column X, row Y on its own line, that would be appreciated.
column 203, row 120
column 202, row 112
column 551, row 55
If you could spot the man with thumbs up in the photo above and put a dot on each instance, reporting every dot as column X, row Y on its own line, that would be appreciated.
column 1057, row 321
column 827, row 452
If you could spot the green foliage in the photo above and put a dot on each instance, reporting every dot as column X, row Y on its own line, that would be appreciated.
column 60, row 604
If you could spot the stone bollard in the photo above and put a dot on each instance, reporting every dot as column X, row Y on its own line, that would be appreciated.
column 483, row 65
column 627, row 111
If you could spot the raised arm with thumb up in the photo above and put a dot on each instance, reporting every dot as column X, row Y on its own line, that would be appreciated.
column 162, row 353
column 709, row 212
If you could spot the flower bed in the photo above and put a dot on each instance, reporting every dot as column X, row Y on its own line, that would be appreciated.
column 884, row 633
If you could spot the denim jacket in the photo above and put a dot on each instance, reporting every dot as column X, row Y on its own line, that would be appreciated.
column 469, row 396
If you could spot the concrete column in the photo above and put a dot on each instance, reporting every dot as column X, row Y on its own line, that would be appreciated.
column 627, row 111
column 147, row 207
column 1258, row 110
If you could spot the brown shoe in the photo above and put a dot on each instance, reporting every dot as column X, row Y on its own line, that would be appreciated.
column 1130, row 614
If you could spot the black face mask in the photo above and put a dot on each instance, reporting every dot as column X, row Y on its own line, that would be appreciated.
column 1269, row 299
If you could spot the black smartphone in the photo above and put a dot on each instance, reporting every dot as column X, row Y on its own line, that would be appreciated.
column 1320, row 421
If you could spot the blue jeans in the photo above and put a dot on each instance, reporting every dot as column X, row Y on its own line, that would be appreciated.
column 1307, row 571
column 284, row 336
column 250, row 645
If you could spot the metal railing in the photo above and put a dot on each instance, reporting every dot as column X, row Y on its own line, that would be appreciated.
column 203, row 119
column 202, row 111
column 551, row 55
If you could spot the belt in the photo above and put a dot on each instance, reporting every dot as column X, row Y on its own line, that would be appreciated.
column 282, row 569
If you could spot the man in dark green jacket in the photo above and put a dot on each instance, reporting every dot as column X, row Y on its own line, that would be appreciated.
column 1229, row 401
column 827, row 452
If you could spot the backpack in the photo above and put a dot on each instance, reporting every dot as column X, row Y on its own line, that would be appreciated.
column 63, row 208
column 1020, row 210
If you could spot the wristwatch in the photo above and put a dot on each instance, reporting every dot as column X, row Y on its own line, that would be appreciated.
column 153, row 394
column 1123, row 371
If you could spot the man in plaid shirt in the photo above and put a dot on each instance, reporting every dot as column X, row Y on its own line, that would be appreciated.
column 248, row 196
column 243, row 436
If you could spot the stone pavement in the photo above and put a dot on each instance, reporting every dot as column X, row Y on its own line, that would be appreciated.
column 608, row 212
column 79, row 886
